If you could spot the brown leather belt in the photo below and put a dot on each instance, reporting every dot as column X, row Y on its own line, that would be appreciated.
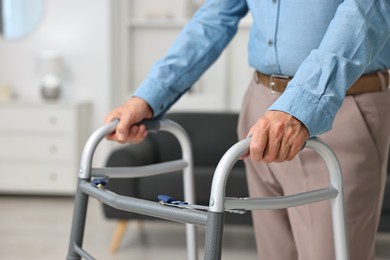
column 371, row 82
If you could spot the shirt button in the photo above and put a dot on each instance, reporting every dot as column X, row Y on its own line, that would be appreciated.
column 274, row 1
column 270, row 42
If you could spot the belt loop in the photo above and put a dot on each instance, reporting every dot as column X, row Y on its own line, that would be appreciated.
column 382, row 80
column 256, row 77
column 388, row 78
column 272, row 84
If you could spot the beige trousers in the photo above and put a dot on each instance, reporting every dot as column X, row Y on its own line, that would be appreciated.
column 360, row 138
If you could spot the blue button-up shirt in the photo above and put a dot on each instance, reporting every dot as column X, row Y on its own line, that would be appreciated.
column 325, row 44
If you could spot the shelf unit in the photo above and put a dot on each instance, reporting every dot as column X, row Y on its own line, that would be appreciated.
column 40, row 146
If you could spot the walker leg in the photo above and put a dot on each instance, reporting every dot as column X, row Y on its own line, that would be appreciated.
column 192, row 243
column 214, row 234
column 78, row 223
column 339, row 228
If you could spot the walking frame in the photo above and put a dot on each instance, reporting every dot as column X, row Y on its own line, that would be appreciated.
column 91, row 182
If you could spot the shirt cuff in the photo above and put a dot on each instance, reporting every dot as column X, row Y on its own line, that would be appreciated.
column 314, row 113
column 155, row 95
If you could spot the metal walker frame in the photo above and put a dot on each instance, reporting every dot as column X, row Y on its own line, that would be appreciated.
column 213, row 218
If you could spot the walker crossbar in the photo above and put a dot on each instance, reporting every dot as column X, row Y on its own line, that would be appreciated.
column 140, row 171
column 145, row 207
column 281, row 202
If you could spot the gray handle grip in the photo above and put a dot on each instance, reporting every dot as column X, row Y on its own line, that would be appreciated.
column 152, row 126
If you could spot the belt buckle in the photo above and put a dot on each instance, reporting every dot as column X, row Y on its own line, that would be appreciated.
column 272, row 82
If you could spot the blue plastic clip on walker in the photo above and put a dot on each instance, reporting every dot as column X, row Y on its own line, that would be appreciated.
column 167, row 200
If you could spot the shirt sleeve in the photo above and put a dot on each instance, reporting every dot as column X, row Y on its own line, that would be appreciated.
column 355, row 36
column 198, row 45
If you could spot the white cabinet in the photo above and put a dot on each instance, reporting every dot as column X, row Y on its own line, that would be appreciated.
column 40, row 146
column 143, row 32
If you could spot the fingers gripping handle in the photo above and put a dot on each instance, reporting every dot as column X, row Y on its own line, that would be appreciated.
column 98, row 135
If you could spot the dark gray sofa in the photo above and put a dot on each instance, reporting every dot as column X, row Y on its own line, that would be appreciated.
column 211, row 135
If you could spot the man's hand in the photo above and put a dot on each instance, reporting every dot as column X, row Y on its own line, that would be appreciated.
column 130, row 113
column 276, row 137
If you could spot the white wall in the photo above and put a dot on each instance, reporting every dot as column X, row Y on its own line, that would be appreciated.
column 80, row 31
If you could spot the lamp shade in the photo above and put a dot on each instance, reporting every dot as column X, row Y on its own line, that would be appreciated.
column 50, row 62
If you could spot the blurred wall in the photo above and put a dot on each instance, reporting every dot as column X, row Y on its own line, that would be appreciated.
column 80, row 32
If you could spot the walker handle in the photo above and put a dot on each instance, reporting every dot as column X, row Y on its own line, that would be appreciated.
column 217, row 194
column 89, row 148
column 152, row 125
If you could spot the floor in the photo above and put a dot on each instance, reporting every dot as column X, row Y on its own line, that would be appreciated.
column 38, row 228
